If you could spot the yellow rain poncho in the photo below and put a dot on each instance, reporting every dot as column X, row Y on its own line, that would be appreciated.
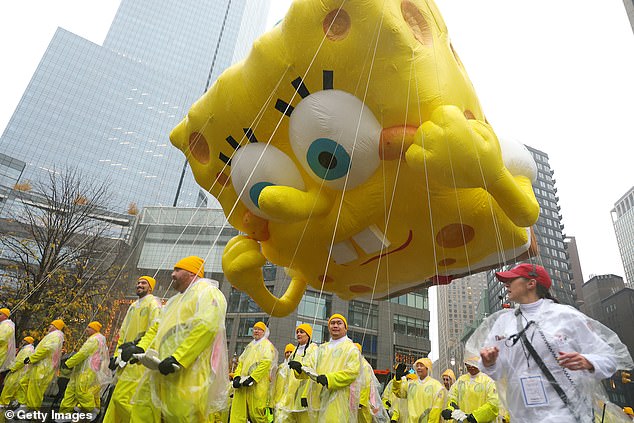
column 44, row 364
column 424, row 399
column 391, row 402
column 7, row 344
column 253, row 401
column 289, row 407
column 140, row 316
column 89, row 373
column 13, row 390
column 191, row 328
column 340, row 361
column 475, row 395
column 370, row 405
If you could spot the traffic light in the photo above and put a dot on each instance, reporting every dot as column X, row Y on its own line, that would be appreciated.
column 626, row 377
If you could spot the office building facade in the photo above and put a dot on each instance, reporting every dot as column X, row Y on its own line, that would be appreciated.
column 623, row 221
column 108, row 110
column 548, row 231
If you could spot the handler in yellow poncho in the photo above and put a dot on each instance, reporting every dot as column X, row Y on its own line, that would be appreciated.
column 370, row 405
column 140, row 316
column 337, row 364
column 13, row 389
column 44, row 363
column 424, row 396
column 7, row 340
column 281, row 376
column 191, row 383
column 296, row 402
column 252, row 378
column 89, row 373
column 473, row 397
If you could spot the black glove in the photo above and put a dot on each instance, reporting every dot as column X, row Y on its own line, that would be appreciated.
column 471, row 419
column 304, row 402
column 236, row 382
column 446, row 414
column 167, row 366
column 323, row 380
column 388, row 404
column 113, row 363
column 27, row 360
column 127, row 353
column 126, row 345
column 393, row 421
column 63, row 365
column 248, row 382
column 400, row 371
column 295, row 365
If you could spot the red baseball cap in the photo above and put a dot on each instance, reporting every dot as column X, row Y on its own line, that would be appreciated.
column 528, row 271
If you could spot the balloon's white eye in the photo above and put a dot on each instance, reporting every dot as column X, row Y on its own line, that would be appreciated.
column 257, row 166
column 336, row 138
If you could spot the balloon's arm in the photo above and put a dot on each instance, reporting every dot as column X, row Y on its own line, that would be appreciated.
column 242, row 263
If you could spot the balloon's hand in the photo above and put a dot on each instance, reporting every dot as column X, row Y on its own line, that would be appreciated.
column 242, row 263
column 458, row 152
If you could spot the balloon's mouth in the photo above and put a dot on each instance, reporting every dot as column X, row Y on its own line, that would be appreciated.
column 370, row 240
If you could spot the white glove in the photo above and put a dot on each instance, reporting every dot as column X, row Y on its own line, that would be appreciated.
column 458, row 415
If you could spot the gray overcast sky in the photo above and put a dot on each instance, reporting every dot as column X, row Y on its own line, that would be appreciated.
column 556, row 75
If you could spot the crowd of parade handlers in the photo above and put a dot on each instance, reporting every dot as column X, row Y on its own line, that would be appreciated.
column 541, row 361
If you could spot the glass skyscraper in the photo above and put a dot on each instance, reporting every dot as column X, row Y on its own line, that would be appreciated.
column 623, row 220
column 108, row 110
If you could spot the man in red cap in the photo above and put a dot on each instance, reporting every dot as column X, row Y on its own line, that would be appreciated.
column 547, row 359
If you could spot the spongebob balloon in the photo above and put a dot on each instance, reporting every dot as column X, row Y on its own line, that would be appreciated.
column 350, row 148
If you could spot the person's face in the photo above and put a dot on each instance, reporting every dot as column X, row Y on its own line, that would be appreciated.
column 302, row 337
column 518, row 289
column 3, row 317
column 90, row 331
column 473, row 370
column 257, row 333
column 142, row 288
column 181, row 279
column 421, row 370
column 337, row 328
column 446, row 380
column 51, row 328
column 287, row 354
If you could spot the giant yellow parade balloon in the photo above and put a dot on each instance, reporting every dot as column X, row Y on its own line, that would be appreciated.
column 350, row 148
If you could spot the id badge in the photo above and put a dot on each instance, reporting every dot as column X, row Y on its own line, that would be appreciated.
column 533, row 391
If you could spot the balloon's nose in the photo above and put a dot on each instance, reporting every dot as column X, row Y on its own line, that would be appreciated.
column 395, row 141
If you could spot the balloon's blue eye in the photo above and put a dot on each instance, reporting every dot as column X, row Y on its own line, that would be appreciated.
column 328, row 159
column 255, row 191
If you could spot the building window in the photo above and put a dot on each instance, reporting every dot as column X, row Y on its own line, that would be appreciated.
column 363, row 315
column 240, row 302
column 407, row 355
column 417, row 298
column 411, row 326
column 368, row 342
column 245, row 328
column 315, row 306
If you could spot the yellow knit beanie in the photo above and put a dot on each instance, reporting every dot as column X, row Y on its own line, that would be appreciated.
column 150, row 280
column 59, row 324
column 306, row 328
column 192, row 264
column 96, row 326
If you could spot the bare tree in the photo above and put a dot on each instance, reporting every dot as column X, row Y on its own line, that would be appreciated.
column 64, row 250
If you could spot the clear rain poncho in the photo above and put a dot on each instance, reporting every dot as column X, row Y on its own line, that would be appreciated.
column 44, row 365
column 423, row 400
column 370, row 405
column 256, row 361
column 7, row 344
column 295, row 389
column 89, row 376
column 340, row 361
column 522, row 387
column 18, row 371
column 191, row 328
